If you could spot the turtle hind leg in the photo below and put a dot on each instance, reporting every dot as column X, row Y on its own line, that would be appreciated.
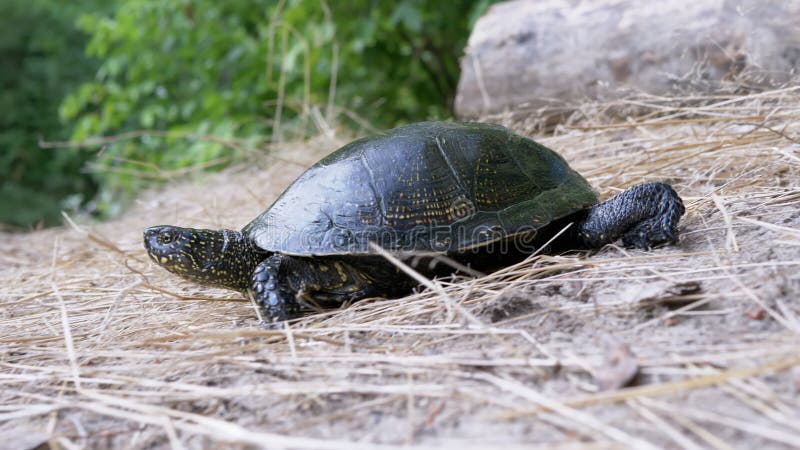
column 644, row 216
column 651, row 232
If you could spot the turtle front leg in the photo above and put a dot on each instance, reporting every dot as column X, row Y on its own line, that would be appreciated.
column 645, row 215
column 276, row 300
column 278, row 279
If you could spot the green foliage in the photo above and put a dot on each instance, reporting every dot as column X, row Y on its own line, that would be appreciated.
column 201, row 74
column 167, row 87
column 41, row 53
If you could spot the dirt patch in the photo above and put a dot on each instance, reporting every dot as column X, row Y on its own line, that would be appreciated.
column 101, row 348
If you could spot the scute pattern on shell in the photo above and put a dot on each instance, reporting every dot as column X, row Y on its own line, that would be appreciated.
column 430, row 186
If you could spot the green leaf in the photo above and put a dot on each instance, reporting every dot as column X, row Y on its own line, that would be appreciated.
column 406, row 14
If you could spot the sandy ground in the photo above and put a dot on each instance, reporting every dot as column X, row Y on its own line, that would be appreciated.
column 101, row 349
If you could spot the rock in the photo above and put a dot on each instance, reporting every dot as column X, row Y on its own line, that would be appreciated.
column 619, row 366
column 550, row 54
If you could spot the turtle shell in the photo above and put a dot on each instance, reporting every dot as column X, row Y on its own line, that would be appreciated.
column 424, row 187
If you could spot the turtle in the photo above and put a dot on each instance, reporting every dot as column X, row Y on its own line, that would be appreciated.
column 474, row 192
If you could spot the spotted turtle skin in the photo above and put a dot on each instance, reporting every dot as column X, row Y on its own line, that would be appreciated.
column 473, row 191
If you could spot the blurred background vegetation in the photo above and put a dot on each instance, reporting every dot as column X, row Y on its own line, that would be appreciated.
column 145, row 91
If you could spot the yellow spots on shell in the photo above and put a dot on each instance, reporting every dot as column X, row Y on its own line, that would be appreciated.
column 424, row 204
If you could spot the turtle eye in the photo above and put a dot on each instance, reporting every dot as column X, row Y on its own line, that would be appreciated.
column 166, row 237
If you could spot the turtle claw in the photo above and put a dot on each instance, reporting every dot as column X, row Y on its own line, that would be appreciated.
column 661, row 228
column 650, row 233
column 272, row 325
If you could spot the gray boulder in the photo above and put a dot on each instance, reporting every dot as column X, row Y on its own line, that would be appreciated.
column 546, row 55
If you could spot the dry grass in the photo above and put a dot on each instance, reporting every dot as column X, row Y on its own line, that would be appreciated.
column 100, row 348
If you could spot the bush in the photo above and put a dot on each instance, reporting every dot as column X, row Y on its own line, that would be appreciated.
column 196, row 84
column 42, row 56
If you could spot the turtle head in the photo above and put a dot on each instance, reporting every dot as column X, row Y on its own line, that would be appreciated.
column 214, row 257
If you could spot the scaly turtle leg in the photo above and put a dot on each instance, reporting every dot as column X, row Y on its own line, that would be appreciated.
column 645, row 215
column 278, row 279
column 274, row 299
